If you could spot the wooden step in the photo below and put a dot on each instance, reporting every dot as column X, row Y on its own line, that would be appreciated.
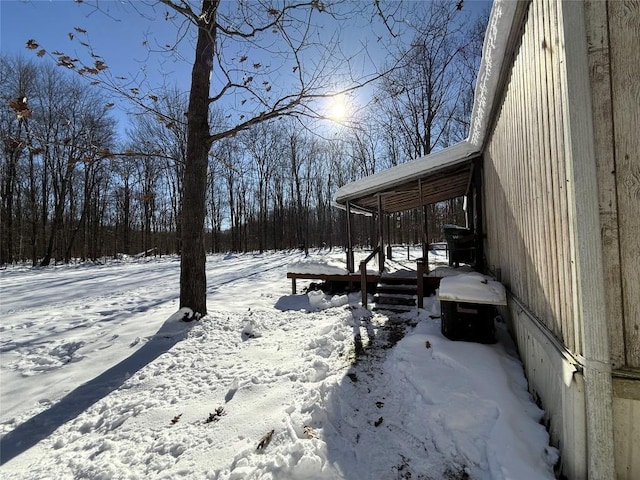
column 399, row 288
column 393, row 308
column 395, row 299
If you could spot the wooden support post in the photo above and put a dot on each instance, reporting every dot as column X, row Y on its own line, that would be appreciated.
column 293, row 285
column 423, row 222
column 478, row 214
column 350, row 262
column 420, row 281
column 425, row 243
column 363, row 283
column 389, row 253
column 380, row 234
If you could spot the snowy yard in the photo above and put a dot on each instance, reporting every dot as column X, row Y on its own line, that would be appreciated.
column 100, row 379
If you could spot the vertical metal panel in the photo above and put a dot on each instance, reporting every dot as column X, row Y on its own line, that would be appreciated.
column 525, row 180
column 380, row 234
column 541, row 214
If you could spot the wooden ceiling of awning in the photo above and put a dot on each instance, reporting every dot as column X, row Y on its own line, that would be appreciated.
column 436, row 187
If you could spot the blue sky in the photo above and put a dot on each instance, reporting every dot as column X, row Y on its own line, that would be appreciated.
column 117, row 32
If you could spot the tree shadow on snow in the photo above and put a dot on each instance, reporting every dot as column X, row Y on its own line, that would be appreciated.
column 39, row 427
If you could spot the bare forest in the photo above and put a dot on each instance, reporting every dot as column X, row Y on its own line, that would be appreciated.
column 77, row 185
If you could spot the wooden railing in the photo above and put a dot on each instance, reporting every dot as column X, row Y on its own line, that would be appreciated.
column 422, row 267
column 363, row 274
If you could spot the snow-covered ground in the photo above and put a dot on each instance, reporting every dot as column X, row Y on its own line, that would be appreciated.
column 100, row 379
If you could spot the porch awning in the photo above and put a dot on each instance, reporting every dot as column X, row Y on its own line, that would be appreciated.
column 444, row 174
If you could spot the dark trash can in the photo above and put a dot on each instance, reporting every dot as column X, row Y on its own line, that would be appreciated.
column 461, row 244
column 471, row 322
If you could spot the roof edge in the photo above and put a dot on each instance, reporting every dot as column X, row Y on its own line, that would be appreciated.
column 500, row 41
column 406, row 172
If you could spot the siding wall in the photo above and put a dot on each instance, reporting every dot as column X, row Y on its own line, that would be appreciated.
column 525, row 179
column 529, row 242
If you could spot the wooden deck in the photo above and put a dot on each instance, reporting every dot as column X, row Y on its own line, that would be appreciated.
column 336, row 277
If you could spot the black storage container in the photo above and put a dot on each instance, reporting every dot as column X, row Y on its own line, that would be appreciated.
column 473, row 322
column 461, row 244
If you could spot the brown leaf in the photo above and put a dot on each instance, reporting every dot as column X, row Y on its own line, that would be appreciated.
column 175, row 419
column 26, row 113
column 80, row 30
column 257, row 65
column 153, row 97
column 310, row 432
column 70, row 35
column 264, row 441
column 243, row 58
column 66, row 61
column 100, row 65
column 41, row 52
column 18, row 104
column 32, row 44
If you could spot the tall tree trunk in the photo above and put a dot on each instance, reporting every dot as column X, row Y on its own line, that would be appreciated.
column 193, row 280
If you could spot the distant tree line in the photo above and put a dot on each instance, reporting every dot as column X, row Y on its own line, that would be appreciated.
column 72, row 187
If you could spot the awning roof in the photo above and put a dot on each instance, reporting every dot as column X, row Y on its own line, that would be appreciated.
column 444, row 174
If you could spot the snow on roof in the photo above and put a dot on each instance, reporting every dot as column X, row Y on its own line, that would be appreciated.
column 499, row 35
column 447, row 157
column 504, row 16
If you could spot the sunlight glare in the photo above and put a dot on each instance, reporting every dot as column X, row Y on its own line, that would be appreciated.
column 338, row 108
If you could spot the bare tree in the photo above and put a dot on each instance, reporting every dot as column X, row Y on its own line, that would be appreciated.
column 263, row 143
column 251, row 27
column 425, row 102
column 258, row 61
column 17, row 85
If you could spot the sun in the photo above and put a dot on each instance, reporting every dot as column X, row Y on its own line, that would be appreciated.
column 338, row 108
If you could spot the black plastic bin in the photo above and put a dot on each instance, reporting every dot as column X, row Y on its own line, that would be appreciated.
column 473, row 322
column 461, row 244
